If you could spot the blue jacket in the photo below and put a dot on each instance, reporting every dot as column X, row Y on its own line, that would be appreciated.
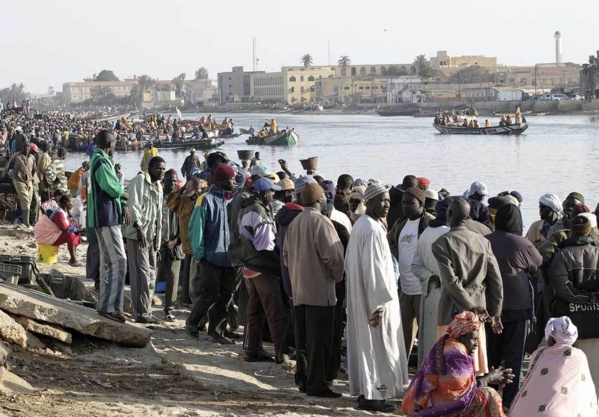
column 209, row 228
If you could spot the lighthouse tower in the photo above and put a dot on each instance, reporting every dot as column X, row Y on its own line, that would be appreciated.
column 558, row 47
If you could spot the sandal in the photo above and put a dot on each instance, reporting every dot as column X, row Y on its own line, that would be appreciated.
column 76, row 264
column 170, row 317
column 120, row 317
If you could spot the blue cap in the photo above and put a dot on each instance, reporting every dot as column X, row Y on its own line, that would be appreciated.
column 301, row 181
column 264, row 184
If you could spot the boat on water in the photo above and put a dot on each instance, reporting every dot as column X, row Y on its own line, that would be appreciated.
column 513, row 129
column 196, row 144
column 228, row 136
column 396, row 112
column 282, row 138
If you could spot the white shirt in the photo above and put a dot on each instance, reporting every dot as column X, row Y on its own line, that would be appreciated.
column 341, row 218
column 407, row 243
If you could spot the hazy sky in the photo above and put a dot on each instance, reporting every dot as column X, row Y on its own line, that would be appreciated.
column 48, row 42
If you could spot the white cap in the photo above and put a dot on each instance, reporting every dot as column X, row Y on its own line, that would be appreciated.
column 432, row 194
column 259, row 170
column 479, row 188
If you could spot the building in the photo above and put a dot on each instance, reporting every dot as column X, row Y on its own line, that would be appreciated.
column 347, row 90
column 300, row 82
column 444, row 61
column 78, row 92
column 235, row 86
column 268, row 87
column 194, row 90
column 374, row 70
column 495, row 94
column 542, row 76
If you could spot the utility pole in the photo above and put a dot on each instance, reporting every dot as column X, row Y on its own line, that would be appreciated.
column 254, row 60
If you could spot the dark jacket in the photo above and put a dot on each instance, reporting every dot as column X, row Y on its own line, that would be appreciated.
column 283, row 219
column 259, row 250
column 234, row 210
column 518, row 261
column 574, row 276
column 395, row 209
column 393, row 235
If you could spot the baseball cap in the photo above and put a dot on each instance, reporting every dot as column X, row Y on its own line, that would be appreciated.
column 264, row 184
column 300, row 182
column 286, row 184
column 430, row 193
column 479, row 188
column 259, row 170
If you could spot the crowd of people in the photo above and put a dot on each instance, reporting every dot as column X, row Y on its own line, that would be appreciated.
column 355, row 276
column 462, row 120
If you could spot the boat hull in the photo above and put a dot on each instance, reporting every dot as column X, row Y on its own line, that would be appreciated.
column 495, row 130
column 396, row 112
column 196, row 144
column 284, row 138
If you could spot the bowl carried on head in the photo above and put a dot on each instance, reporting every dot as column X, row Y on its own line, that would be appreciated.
column 310, row 164
column 245, row 154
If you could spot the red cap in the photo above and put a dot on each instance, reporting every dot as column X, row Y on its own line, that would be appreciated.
column 223, row 172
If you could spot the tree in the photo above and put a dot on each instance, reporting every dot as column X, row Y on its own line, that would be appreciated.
column 106, row 75
column 420, row 62
column 396, row 71
column 591, row 70
column 306, row 60
column 470, row 75
column 102, row 95
column 144, row 83
column 16, row 92
column 344, row 62
column 201, row 74
column 179, row 82
column 428, row 73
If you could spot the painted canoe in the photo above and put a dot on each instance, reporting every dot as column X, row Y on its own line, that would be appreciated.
column 514, row 129
column 283, row 138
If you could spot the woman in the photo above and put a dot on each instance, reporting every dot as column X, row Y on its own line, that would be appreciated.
column 55, row 228
column 445, row 385
column 558, row 383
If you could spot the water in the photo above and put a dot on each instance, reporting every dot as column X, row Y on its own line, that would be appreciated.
column 556, row 154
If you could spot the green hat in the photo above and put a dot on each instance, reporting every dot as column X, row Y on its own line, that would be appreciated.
column 577, row 196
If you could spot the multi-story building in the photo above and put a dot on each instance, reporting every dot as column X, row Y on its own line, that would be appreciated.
column 268, row 87
column 78, row 92
column 235, row 85
column 443, row 61
column 300, row 82
column 543, row 76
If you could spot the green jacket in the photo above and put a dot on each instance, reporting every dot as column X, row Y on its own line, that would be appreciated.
column 104, row 192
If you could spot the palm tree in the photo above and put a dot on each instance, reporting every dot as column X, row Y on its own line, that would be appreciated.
column 420, row 62
column 344, row 62
column 201, row 74
column 306, row 60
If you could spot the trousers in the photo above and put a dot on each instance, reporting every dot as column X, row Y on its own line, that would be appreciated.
column 218, row 285
column 142, row 277
column 113, row 267
column 169, row 269
column 409, row 306
column 265, row 303
column 314, row 326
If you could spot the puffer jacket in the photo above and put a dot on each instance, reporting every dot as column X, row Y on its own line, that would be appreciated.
column 574, row 276
column 259, row 249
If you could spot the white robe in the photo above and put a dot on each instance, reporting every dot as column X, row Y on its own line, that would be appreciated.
column 376, row 356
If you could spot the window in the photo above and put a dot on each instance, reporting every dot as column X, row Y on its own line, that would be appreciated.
column 413, row 70
column 292, row 90
column 346, row 88
column 363, row 71
column 353, row 71
column 292, row 79
column 343, row 72
column 373, row 70
column 383, row 71
column 361, row 88
column 310, row 78
column 302, row 78
column 302, row 89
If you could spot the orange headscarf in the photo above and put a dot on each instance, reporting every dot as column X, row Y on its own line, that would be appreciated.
column 463, row 323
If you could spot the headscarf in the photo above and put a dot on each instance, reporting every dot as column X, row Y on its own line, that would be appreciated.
column 374, row 189
column 552, row 201
column 462, row 324
column 563, row 331
column 358, row 192
column 509, row 219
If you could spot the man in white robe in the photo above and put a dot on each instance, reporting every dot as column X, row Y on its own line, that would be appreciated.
column 377, row 363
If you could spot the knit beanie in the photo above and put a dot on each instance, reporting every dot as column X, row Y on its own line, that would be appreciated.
column 417, row 193
column 223, row 172
column 577, row 196
column 580, row 226
column 311, row 193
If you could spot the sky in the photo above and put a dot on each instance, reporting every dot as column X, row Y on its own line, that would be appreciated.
column 48, row 42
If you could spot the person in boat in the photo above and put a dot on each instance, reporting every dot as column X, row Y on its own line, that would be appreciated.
column 465, row 124
column 149, row 153
column 487, row 123
column 273, row 126
column 447, row 120
column 251, row 131
column 518, row 115
column 446, row 384
column 476, row 125
column 471, row 124
column 502, row 121
column 508, row 120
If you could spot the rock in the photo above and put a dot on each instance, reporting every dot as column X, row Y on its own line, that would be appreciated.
column 33, row 342
column 11, row 383
column 44, row 329
column 41, row 307
column 11, row 331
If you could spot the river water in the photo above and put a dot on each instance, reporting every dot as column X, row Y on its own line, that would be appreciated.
column 557, row 154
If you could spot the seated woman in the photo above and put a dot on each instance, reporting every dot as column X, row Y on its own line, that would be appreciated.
column 446, row 384
column 559, row 380
column 55, row 229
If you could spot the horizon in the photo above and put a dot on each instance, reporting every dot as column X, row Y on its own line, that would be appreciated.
column 135, row 37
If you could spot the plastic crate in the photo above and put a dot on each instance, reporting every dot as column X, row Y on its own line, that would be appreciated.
column 23, row 262
column 11, row 269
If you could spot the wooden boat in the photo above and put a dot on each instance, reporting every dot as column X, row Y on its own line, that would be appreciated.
column 396, row 112
column 514, row 129
column 283, row 138
column 196, row 144
column 427, row 113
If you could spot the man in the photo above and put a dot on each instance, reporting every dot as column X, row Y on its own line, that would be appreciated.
column 345, row 184
column 255, row 160
column 356, row 203
column 478, row 191
column 377, row 364
column 261, row 272
column 423, row 183
column 209, row 236
column 74, row 181
column 149, row 153
column 470, row 277
column 574, row 199
column 396, row 194
column 518, row 261
column 403, row 241
column 285, row 195
column 426, row 268
column 314, row 255
column 55, row 172
column 550, row 207
column 430, row 201
column 191, row 161
column 171, row 253
column 143, row 237
column 43, row 161
column 23, row 164
column 105, row 213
